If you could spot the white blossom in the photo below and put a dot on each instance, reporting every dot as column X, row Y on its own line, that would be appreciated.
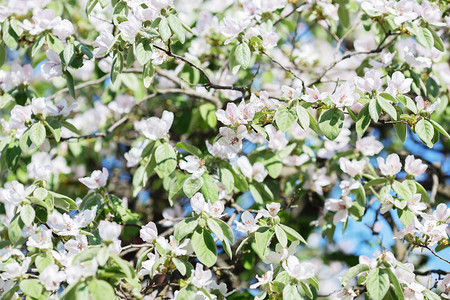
column 391, row 166
column 156, row 128
column 51, row 277
column 97, row 179
column 149, row 232
column 109, row 231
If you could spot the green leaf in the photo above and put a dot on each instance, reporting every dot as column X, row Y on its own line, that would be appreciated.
column 401, row 130
column 25, row 141
column 148, row 74
column 204, row 247
column 9, row 37
column 353, row 272
column 183, row 266
column 397, row 287
column 3, row 53
column 402, row 190
column 376, row 181
column 209, row 188
column 10, row 294
column 208, row 114
column 187, row 293
column 262, row 239
column 215, row 228
column 185, row 227
column 331, row 122
column 387, row 107
column 260, row 192
column 13, row 154
column 431, row 295
column 359, row 205
column 43, row 260
column 54, row 43
column 192, row 185
column 227, row 232
column 425, row 130
column 31, row 287
column 15, row 228
column 284, row 118
column 164, row 29
column 406, row 216
column 344, row 16
column 125, row 267
column 303, row 117
column 117, row 66
column 292, row 234
column 377, row 284
column 90, row 6
column 290, row 292
column 437, row 41
column 425, row 37
column 27, row 215
column 189, row 149
column 374, row 110
column 166, row 160
column 64, row 202
column 101, row 290
column 143, row 51
column 68, row 54
column 55, row 128
column 70, row 83
column 363, row 120
column 177, row 28
column 281, row 236
column 240, row 57
column 440, row 128
column 37, row 134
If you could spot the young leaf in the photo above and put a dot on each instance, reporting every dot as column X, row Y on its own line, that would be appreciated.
column 285, row 118
column 164, row 29
column 425, row 130
column 177, row 28
column 37, row 134
column 303, row 117
column 143, row 51
column 331, row 122
column 204, row 247
column 27, row 214
column 377, row 284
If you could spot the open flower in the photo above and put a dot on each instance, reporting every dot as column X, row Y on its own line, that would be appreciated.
column 352, row 167
column 427, row 106
column 257, row 171
column 109, row 231
column 51, row 277
column 193, row 165
column 53, row 66
column 264, row 279
column 97, row 179
column 272, row 210
column 173, row 245
column 201, row 278
column 298, row 270
column 391, row 166
column 149, row 232
column 249, row 223
column 414, row 166
column 156, row 128
column 340, row 206
column 277, row 139
column 345, row 95
column 398, row 84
